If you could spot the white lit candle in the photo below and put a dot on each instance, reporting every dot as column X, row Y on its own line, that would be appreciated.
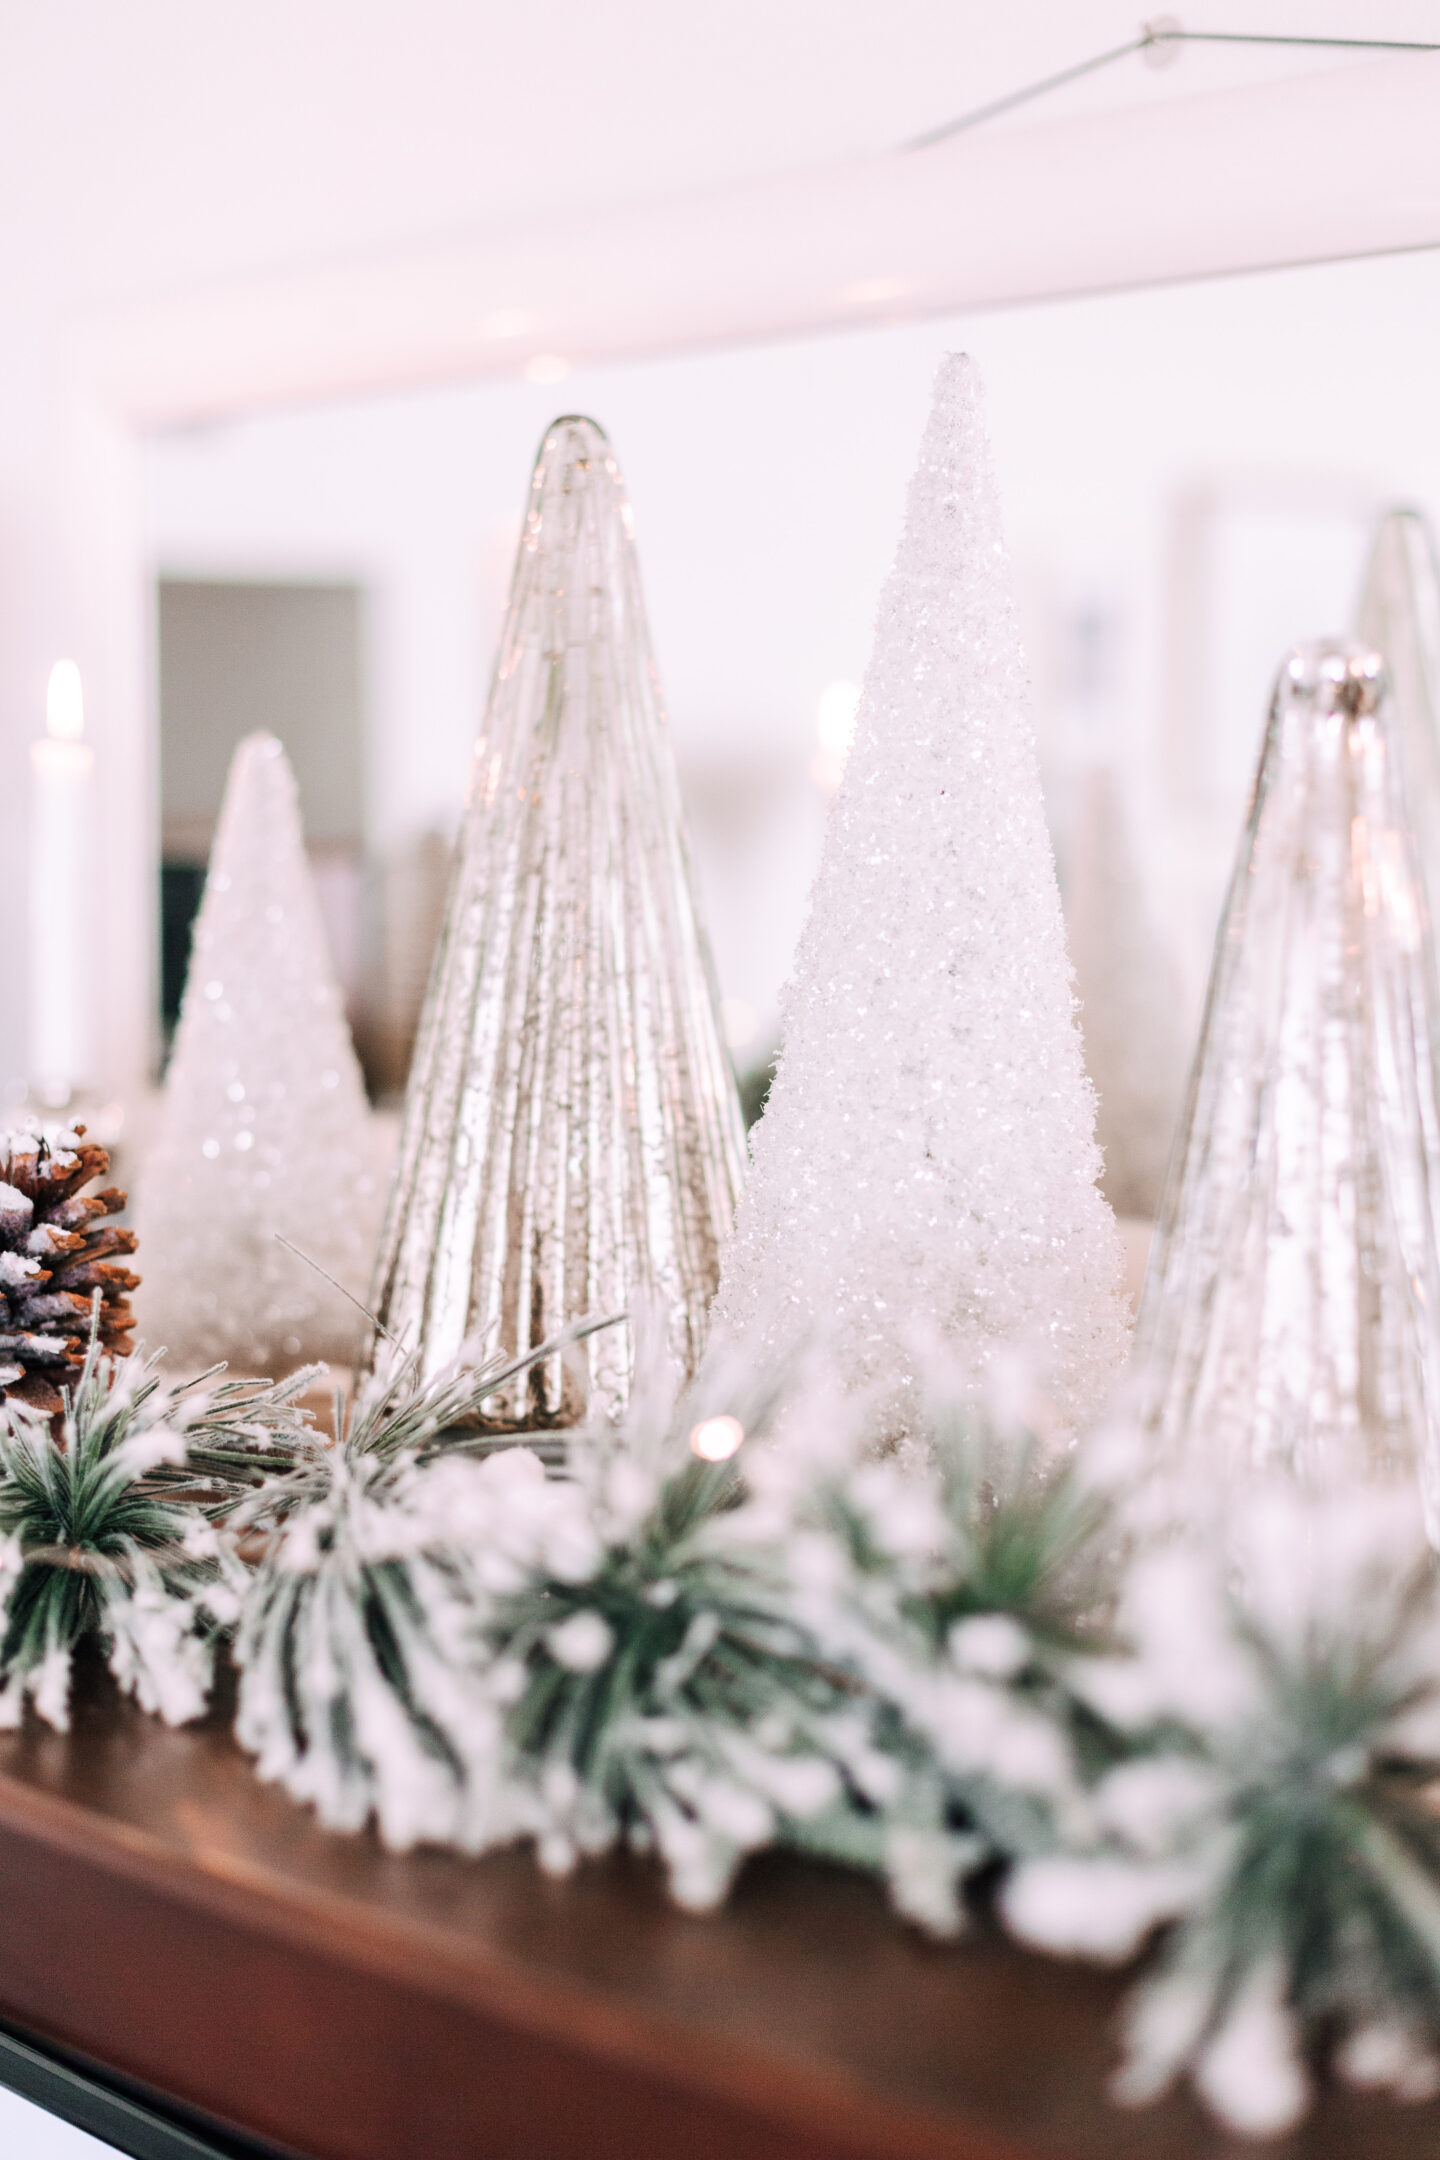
column 60, row 766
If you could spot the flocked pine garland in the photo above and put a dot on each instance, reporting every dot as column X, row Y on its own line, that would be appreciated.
column 903, row 1668
column 702, row 1642
column 471, row 1652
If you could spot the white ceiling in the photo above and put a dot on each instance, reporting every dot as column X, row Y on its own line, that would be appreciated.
column 289, row 180
column 209, row 205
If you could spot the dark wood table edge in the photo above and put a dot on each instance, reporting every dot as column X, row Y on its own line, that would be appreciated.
column 420, row 1958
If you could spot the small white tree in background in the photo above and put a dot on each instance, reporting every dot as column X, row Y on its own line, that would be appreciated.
column 264, row 1127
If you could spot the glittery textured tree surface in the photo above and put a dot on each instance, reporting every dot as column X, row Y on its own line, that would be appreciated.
column 264, row 1127
column 572, row 1135
column 1288, row 1322
column 926, row 1160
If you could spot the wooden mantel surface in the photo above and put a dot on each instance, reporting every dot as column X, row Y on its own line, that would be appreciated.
column 167, row 1916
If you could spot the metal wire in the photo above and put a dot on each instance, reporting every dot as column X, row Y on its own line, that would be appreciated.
column 1152, row 36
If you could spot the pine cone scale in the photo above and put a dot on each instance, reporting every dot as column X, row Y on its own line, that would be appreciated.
column 99, row 1245
column 98, row 1275
column 37, row 1312
column 37, row 1349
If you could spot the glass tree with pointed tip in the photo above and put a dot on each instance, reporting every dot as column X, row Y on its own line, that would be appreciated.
column 1288, row 1323
column 926, row 1162
column 264, row 1128
column 572, row 1139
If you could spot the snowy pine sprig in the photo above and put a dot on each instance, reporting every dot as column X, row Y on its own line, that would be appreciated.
column 955, row 1588
column 358, row 1639
column 1279, row 1810
column 110, row 1529
column 658, row 1685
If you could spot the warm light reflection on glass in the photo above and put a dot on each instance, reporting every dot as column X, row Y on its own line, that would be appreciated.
column 716, row 1439
column 65, row 703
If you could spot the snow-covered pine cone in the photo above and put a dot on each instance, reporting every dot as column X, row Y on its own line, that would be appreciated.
column 56, row 1251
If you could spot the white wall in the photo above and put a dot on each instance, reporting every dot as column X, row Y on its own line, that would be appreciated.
column 1188, row 477
column 208, row 209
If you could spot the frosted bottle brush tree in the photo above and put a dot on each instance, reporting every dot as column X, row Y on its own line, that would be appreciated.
column 264, row 1127
column 926, row 1158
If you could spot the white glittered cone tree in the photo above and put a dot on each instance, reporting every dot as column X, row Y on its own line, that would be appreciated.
column 926, row 1164
column 265, row 1131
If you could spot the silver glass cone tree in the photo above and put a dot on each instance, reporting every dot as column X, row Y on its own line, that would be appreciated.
column 1288, row 1325
column 572, row 1139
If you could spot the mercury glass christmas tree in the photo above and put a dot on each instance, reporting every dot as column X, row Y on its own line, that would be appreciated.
column 926, row 1162
column 572, row 1138
column 1288, row 1324
column 264, row 1127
